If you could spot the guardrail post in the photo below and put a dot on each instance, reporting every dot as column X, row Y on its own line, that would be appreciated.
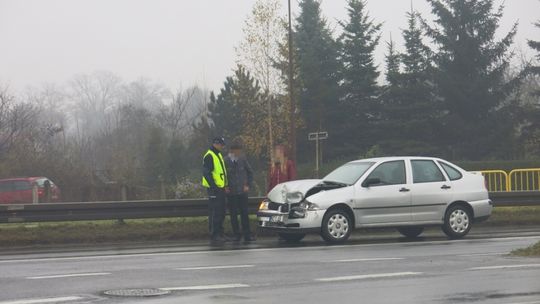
column 35, row 196
column 123, row 195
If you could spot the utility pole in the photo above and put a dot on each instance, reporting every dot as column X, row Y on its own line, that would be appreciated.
column 292, row 116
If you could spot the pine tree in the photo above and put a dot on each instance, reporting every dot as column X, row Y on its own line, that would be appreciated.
column 393, row 65
column 316, row 52
column 409, row 106
column 535, row 45
column 358, row 42
column 239, row 111
column 470, row 67
column 359, row 76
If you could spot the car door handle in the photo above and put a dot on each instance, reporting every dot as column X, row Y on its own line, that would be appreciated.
column 445, row 187
column 404, row 189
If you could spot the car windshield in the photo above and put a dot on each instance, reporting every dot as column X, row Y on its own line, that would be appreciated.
column 348, row 174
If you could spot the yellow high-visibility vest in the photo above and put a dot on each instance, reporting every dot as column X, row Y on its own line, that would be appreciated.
column 219, row 174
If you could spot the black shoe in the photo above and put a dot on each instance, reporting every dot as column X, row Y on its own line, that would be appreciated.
column 249, row 239
column 226, row 238
column 217, row 241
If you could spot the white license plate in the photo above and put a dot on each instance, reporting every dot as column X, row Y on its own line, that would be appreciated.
column 277, row 218
column 264, row 219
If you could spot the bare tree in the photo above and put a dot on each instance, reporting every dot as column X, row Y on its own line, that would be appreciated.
column 259, row 50
column 143, row 93
column 186, row 108
column 15, row 118
column 92, row 98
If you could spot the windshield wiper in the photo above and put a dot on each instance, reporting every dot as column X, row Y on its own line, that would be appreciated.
column 326, row 182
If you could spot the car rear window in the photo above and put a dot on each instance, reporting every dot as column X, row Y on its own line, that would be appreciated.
column 452, row 172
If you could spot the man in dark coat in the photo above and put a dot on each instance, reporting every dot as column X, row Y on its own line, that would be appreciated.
column 240, row 178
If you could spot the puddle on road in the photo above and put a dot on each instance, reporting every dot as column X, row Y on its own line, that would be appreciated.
column 482, row 296
column 226, row 297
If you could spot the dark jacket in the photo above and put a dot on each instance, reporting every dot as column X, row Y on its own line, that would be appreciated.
column 239, row 174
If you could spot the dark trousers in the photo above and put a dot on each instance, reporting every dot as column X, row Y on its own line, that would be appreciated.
column 238, row 205
column 216, row 212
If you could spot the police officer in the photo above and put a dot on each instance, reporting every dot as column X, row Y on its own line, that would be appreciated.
column 215, row 181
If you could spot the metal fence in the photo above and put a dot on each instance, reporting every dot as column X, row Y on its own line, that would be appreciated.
column 516, row 180
column 496, row 180
column 524, row 180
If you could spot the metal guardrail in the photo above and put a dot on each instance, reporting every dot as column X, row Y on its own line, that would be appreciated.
column 171, row 208
column 524, row 180
column 515, row 180
column 496, row 180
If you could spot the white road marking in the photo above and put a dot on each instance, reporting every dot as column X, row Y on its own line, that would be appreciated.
column 44, row 300
column 216, row 267
column 505, row 267
column 120, row 256
column 482, row 254
column 71, row 275
column 365, row 260
column 369, row 276
column 205, row 287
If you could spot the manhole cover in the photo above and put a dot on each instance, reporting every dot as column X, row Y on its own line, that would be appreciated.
column 137, row 292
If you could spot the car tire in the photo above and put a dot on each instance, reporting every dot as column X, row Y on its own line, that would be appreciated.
column 411, row 232
column 457, row 221
column 336, row 226
column 292, row 237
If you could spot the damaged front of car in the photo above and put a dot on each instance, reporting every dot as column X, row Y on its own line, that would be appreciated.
column 296, row 206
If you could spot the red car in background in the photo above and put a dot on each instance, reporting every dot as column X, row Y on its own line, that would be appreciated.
column 19, row 190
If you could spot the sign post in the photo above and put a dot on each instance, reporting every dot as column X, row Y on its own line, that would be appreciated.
column 317, row 136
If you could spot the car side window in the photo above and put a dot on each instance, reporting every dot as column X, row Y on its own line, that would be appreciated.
column 5, row 186
column 452, row 172
column 426, row 171
column 390, row 173
column 21, row 185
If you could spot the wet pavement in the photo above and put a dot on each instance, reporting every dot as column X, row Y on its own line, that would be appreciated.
column 376, row 268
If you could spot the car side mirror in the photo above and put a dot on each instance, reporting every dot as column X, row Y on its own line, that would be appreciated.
column 370, row 182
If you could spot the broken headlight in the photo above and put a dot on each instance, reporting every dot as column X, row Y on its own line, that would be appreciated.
column 294, row 197
column 305, row 205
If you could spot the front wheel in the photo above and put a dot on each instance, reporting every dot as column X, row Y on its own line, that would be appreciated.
column 411, row 232
column 292, row 237
column 336, row 226
column 457, row 222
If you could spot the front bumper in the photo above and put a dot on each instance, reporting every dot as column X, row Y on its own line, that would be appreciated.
column 282, row 222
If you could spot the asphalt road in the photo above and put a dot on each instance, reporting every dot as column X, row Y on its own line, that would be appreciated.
column 374, row 269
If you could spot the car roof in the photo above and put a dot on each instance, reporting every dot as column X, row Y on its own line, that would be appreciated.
column 21, row 178
column 390, row 158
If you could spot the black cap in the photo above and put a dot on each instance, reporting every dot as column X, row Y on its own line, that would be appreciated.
column 219, row 140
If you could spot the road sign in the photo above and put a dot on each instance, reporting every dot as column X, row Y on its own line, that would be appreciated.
column 317, row 135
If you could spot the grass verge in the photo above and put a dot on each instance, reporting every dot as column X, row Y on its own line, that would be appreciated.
column 533, row 250
column 174, row 229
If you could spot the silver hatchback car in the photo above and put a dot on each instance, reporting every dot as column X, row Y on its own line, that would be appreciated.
column 408, row 193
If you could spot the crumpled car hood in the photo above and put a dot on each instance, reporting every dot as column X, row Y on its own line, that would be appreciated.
column 277, row 194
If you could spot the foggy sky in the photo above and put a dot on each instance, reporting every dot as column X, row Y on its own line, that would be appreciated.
column 176, row 42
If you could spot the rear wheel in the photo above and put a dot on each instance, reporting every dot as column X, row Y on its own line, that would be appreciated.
column 292, row 237
column 336, row 226
column 411, row 232
column 457, row 221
